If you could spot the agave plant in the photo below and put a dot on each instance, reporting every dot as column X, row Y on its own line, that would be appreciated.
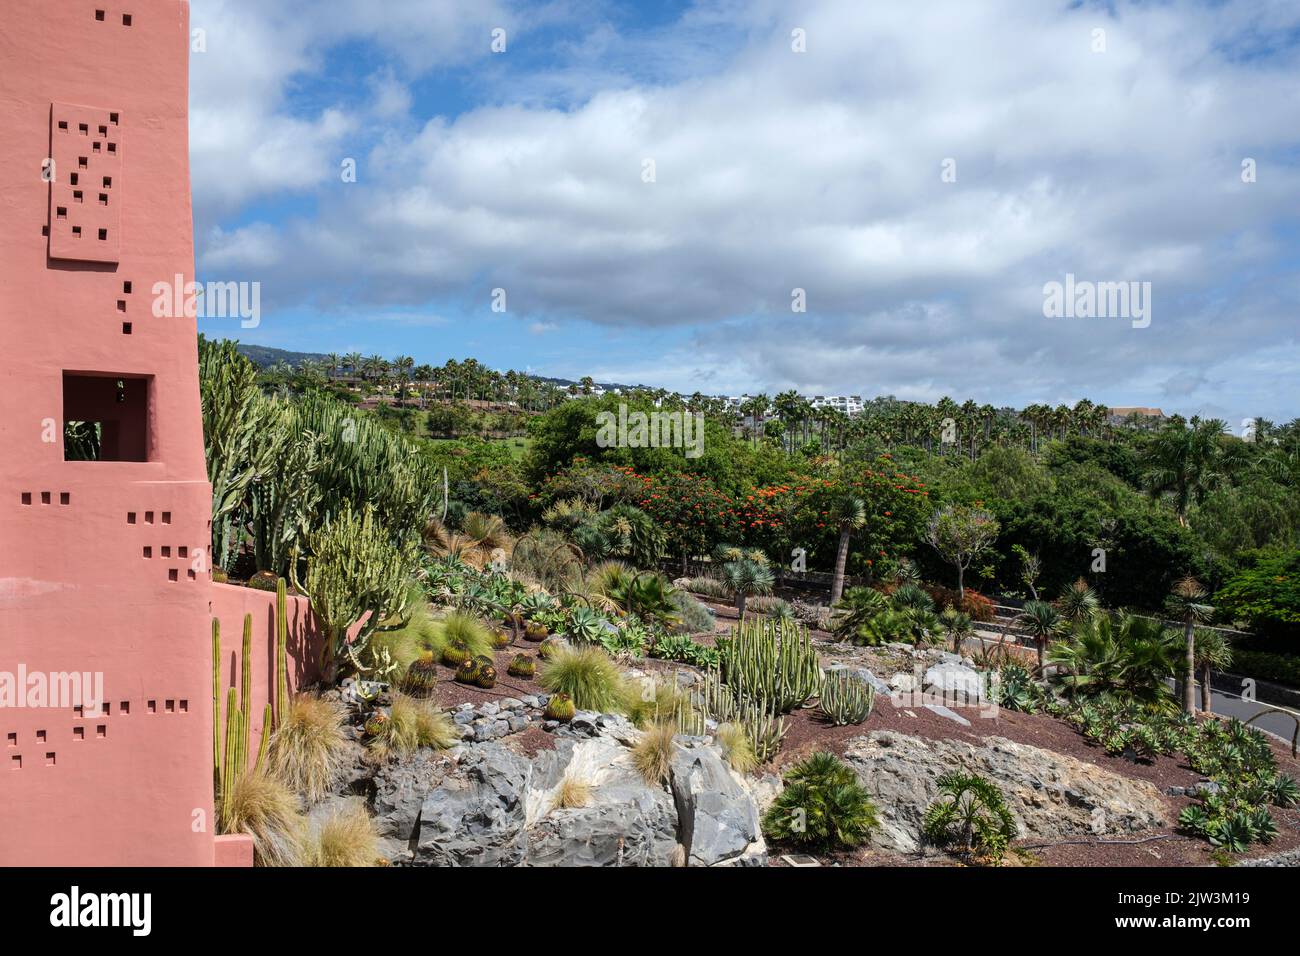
column 584, row 625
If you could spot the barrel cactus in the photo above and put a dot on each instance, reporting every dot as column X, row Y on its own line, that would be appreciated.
column 546, row 650
column 500, row 638
column 535, row 632
column 455, row 653
column 560, row 707
column 421, row 676
column 522, row 666
column 376, row 723
column 486, row 677
column 469, row 670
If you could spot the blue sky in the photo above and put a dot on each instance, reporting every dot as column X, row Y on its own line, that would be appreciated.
column 1102, row 140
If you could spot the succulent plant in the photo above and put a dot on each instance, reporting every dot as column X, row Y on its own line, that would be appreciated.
column 546, row 650
column 421, row 676
column 467, row 672
column 584, row 625
column 500, row 638
column 522, row 666
column 560, row 707
column 535, row 632
column 376, row 723
column 455, row 653
column 486, row 676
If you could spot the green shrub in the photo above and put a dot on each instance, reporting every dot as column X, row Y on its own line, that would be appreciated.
column 971, row 817
column 469, row 631
column 684, row 650
column 410, row 725
column 823, row 807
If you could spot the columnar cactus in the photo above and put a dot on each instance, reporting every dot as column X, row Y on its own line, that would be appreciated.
column 846, row 698
column 772, row 661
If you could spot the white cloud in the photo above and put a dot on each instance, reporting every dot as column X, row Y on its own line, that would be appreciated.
column 822, row 171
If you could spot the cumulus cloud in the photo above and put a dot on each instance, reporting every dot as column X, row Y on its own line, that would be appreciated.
column 776, row 170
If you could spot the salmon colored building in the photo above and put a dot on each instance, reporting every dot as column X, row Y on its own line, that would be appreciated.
column 103, row 553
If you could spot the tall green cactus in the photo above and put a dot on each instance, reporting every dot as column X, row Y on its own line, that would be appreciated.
column 281, row 652
column 246, row 688
column 772, row 662
column 764, row 728
column 232, row 763
column 846, row 698
column 356, row 575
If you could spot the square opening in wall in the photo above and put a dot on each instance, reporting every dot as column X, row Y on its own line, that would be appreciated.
column 83, row 129
column 63, row 126
column 103, row 234
column 126, row 328
column 99, row 15
column 105, row 417
column 77, row 196
column 126, row 19
column 73, row 178
column 76, row 232
column 112, row 118
column 65, row 497
column 27, row 497
column 126, row 286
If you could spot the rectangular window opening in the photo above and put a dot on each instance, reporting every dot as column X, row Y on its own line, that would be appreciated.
column 105, row 417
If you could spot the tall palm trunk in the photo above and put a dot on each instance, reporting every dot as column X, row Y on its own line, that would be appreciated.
column 1189, row 686
column 740, row 605
column 841, row 559
column 1207, row 697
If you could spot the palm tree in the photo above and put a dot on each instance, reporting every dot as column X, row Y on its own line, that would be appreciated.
column 1042, row 622
column 849, row 512
column 1213, row 653
column 1183, row 462
column 1187, row 606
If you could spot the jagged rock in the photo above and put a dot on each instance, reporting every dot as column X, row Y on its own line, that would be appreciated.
column 1051, row 795
column 400, row 789
column 627, row 823
column 476, row 818
column 717, row 818
column 497, row 808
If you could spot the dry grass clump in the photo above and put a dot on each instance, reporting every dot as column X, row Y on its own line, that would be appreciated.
column 736, row 748
column 573, row 793
column 346, row 837
column 267, row 810
column 649, row 701
column 653, row 754
column 309, row 750
column 413, row 724
column 588, row 675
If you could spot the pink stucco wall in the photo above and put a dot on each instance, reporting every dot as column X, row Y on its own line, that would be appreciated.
column 102, row 564
column 229, row 605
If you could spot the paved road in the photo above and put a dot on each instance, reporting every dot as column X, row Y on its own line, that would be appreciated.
column 1230, row 706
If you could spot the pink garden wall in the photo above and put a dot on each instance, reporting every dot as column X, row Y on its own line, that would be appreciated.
column 103, row 563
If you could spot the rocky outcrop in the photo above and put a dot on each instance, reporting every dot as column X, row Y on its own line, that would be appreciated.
column 483, row 804
column 1051, row 795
